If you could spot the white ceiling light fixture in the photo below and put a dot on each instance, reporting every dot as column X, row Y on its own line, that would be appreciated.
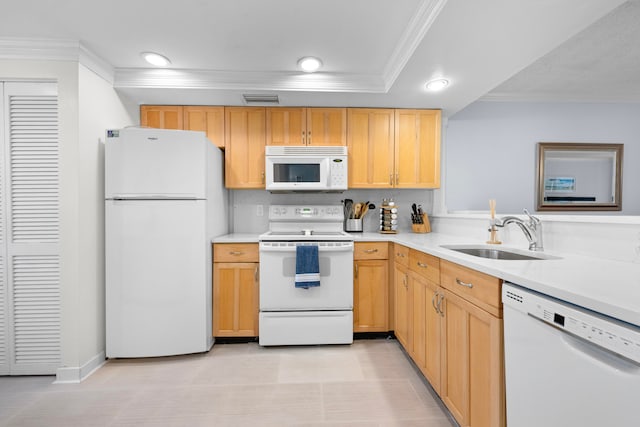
column 436, row 84
column 309, row 64
column 155, row 59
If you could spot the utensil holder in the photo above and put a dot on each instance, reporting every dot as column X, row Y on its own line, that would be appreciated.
column 353, row 225
column 425, row 227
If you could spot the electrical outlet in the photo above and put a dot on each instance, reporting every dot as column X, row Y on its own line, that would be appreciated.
column 260, row 210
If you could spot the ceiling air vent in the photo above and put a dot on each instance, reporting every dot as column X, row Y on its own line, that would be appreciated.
column 260, row 99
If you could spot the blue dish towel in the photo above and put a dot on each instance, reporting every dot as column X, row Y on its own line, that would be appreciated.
column 307, row 267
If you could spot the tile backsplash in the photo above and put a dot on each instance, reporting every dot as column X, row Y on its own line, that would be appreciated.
column 247, row 205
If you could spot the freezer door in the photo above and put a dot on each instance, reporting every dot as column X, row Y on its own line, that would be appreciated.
column 156, row 163
column 157, row 302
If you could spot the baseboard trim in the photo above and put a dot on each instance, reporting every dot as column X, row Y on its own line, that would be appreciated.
column 75, row 375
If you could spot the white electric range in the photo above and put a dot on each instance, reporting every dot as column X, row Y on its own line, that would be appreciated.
column 304, row 316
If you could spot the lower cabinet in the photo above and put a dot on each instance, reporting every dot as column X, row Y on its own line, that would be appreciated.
column 449, row 320
column 235, row 290
column 371, row 287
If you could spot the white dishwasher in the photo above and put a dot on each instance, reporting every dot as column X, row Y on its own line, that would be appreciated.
column 567, row 366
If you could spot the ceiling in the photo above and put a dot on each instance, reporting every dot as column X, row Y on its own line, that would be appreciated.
column 375, row 52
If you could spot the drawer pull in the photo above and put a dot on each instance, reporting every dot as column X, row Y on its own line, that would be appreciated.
column 466, row 285
column 370, row 251
column 400, row 255
column 256, row 274
column 236, row 253
column 356, row 272
column 422, row 264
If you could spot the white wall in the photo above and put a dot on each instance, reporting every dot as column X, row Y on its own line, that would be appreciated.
column 100, row 109
column 491, row 149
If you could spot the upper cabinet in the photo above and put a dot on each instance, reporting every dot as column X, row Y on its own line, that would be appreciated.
column 394, row 148
column 207, row 119
column 417, row 149
column 388, row 148
column 306, row 126
column 370, row 146
column 244, row 147
column 161, row 116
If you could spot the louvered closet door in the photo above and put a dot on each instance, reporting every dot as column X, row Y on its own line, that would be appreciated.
column 30, row 196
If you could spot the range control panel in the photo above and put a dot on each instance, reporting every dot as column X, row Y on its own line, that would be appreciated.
column 613, row 335
column 306, row 213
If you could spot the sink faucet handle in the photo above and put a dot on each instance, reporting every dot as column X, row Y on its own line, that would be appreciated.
column 533, row 219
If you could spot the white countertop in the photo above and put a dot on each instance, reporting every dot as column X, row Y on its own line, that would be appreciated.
column 604, row 286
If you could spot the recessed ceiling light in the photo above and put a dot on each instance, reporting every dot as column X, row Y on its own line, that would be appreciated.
column 437, row 84
column 309, row 64
column 155, row 59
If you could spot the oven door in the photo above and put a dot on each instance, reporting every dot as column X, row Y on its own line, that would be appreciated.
column 297, row 173
column 277, row 278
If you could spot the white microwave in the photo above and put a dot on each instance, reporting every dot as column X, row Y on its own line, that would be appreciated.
column 306, row 168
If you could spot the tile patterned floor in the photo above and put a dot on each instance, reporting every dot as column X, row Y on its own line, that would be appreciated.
column 370, row 383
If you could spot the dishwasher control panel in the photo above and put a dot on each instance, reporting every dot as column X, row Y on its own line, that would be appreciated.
column 613, row 335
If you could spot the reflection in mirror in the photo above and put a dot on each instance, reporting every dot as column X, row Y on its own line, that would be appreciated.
column 579, row 176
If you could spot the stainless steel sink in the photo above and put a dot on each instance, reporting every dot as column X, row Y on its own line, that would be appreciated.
column 491, row 252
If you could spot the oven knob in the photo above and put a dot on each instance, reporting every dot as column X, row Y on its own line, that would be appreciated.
column 284, row 211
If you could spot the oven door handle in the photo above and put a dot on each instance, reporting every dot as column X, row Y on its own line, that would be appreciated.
column 292, row 248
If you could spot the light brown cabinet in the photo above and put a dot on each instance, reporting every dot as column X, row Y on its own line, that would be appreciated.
column 449, row 320
column 306, row 126
column 235, row 290
column 394, row 148
column 473, row 361
column 244, row 147
column 207, row 119
column 162, row 116
column 371, row 287
column 426, row 316
column 370, row 146
column 417, row 149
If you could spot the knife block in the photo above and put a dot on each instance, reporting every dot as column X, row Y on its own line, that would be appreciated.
column 425, row 227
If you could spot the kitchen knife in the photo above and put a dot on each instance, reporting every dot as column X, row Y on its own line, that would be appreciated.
column 414, row 215
column 420, row 215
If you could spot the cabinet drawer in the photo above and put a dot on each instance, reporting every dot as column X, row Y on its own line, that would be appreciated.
column 235, row 252
column 478, row 288
column 371, row 250
column 425, row 265
column 401, row 254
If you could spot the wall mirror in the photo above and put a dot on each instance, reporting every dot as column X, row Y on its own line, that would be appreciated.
column 579, row 177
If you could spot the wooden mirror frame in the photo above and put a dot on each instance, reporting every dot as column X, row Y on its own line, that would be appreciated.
column 545, row 147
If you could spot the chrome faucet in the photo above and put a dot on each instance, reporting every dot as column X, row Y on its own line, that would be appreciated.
column 532, row 229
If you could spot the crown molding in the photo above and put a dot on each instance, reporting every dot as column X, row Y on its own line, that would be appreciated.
column 242, row 80
column 425, row 16
column 558, row 97
column 55, row 50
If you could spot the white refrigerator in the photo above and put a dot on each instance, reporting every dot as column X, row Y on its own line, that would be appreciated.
column 164, row 202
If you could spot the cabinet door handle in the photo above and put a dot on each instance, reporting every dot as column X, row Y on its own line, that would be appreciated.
column 370, row 251
column 256, row 274
column 262, row 176
column 433, row 302
column 466, row 285
column 397, row 177
column 355, row 276
column 422, row 264
column 309, row 138
column 400, row 255
column 390, row 179
column 440, row 300
column 304, row 140
column 236, row 253
column 405, row 281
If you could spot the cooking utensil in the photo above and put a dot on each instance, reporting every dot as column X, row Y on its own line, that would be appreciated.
column 348, row 207
column 356, row 210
